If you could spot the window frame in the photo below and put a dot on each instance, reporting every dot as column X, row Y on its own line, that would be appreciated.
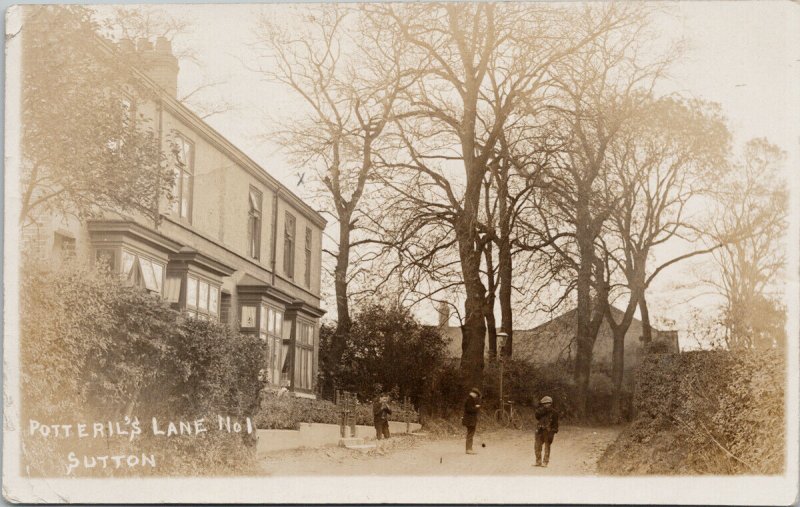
column 289, row 238
column 64, row 245
column 254, row 222
column 272, row 333
column 303, row 359
column 182, row 170
column 195, row 310
column 138, row 256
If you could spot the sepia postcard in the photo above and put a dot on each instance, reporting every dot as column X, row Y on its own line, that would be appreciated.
column 516, row 252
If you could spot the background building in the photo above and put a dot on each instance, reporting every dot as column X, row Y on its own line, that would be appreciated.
column 554, row 340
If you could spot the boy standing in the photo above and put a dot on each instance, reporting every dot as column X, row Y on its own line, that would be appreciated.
column 470, row 420
column 546, row 428
column 380, row 416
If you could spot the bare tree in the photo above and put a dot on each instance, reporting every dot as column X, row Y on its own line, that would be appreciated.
column 664, row 162
column 453, row 119
column 602, row 88
column 751, row 225
column 349, row 79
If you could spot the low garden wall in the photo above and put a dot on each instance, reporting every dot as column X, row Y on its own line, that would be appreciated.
column 311, row 435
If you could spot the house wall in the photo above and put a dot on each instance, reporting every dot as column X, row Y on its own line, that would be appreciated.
column 220, row 209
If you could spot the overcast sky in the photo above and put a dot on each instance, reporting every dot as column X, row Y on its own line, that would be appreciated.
column 744, row 55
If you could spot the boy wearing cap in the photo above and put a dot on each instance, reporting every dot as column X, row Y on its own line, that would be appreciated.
column 546, row 428
column 470, row 420
column 380, row 415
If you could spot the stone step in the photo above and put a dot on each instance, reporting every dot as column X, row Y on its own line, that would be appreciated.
column 347, row 442
column 361, row 447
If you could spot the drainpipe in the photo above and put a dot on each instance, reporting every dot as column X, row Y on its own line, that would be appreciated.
column 274, row 232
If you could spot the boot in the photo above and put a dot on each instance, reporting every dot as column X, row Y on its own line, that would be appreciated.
column 546, row 456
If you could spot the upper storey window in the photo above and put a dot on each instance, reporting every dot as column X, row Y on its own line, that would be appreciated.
column 288, row 245
column 254, row 225
column 183, row 150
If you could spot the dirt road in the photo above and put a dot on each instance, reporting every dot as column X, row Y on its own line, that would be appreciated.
column 575, row 452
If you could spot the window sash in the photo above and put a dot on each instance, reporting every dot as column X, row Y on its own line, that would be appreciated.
column 304, row 356
column 288, row 245
column 254, row 224
column 191, row 292
column 142, row 271
column 202, row 297
column 213, row 300
column 184, row 178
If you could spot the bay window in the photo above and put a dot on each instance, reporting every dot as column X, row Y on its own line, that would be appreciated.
column 142, row 271
column 202, row 298
column 271, row 331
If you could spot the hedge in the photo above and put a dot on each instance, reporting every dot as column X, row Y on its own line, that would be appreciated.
column 93, row 349
column 705, row 412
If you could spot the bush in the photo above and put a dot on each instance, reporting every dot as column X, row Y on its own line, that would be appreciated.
column 95, row 350
column 385, row 350
column 714, row 412
column 286, row 412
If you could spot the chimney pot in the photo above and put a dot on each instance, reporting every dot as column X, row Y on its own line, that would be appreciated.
column 163, row 45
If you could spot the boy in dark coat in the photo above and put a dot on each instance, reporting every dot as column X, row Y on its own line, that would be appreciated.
column 546, row 428
column 470, row 420
column 380, row 416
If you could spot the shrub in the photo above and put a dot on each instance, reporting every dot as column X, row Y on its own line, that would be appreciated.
column 386, row 349
column 716, row 412
column 93, row 349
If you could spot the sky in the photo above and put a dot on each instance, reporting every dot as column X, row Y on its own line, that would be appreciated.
column 744, row 55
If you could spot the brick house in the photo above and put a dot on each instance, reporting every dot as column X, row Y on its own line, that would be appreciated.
column 235, row 245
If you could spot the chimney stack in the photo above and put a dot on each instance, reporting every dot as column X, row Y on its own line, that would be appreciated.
column 444, row 315
column 156, row 61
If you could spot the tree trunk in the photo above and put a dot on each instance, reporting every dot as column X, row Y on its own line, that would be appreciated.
column 343, row 322
column 506, row 316
column 488, row 311
column 475, row 335
column 583, row 336
column 647, row 330
column 491, row 326
column 474, row 331
column 504, row 262
column 617, row 371
column 340, row 276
